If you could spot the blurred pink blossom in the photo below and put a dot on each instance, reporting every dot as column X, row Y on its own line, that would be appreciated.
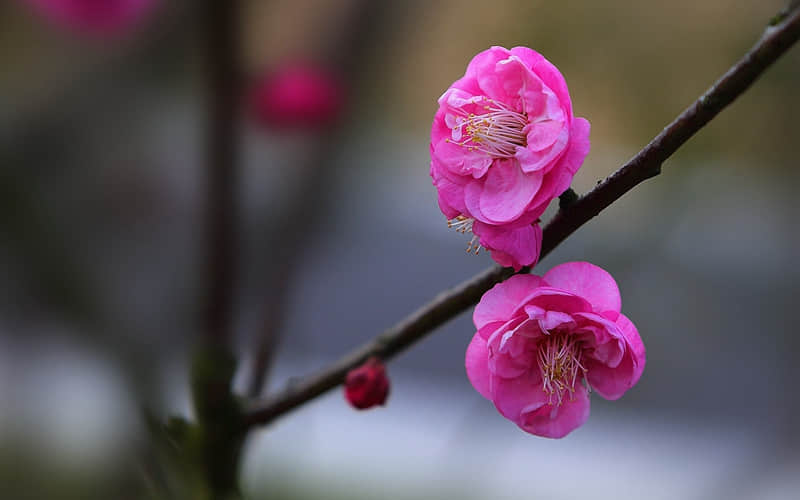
column 367, row 385
column 504, row 143
column 94, row 17
column 540, row 339
column 298, row 95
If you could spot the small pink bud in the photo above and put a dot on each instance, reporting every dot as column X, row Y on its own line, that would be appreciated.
column 297, row 95
column 367, row 385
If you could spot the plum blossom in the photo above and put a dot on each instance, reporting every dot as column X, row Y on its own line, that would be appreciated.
column 297, row 94
column 543, row 343
column 94, row 17
column 367, row 385
column 504, row 143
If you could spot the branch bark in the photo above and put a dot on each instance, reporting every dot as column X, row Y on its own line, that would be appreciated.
column 220, row 433
column 783, row 32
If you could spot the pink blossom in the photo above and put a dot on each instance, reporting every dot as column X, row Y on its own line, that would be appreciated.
column 367, row 385
column 504, row 143
column 540, row 339
column 298, row 94
column 94, row 17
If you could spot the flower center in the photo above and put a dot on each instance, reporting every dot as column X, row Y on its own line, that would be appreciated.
column 497, row 132
column 463, row 225
column 559, row 358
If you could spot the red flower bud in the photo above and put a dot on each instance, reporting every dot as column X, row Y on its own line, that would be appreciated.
column 367, row 385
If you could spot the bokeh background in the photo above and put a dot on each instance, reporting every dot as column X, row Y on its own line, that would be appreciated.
column 101, row 234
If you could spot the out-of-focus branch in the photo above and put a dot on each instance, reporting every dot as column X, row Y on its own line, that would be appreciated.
column 222, row 166
column 213, row 364
column 783, row 32
column 344, row 53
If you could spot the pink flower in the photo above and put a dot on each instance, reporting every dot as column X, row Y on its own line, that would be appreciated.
column 298, row 94
column 367, row 385
column 94, row 17
column 540, row 339
column 504, row 143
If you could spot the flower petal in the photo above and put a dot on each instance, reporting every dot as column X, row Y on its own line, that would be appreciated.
column 611, row 383
column 502, row 300
column 503, row 194
column 451, row 195
column 548, row 73
column 461, row 160
column 559, row 178
column 553, row 421
column 635, row 345
column 512, row 395
column 588, row 281
column 477, row 365
column 547, row 158
column 555, row 299
column 484, row 68
column 523, row 90
column 511, row 247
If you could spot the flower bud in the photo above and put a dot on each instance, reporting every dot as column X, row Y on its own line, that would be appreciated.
column 297, row 95
column 367, row 385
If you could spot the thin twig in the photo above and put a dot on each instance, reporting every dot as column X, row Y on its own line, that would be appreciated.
column 779, row 36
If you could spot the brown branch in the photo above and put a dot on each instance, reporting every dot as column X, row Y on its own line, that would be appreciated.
column 222, row 165
column 217, row 410
column 779, row 36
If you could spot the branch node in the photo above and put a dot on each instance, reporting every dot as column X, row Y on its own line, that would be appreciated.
column 567, row 198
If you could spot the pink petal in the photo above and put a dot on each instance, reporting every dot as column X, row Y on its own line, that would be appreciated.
column 502, row 300
column 559, row 178
column 451, row 194
column 635, row 345
column 523, row 90
column 555, row 299
column 548, row 73
column 504, row 194
column 553, row 421
column 611, row 383
column 543, row 134
column 551, row 320
column 477, row 365
column 511, row 247
column 547, row 159
column 603, row 336
column 579, row 146
column 461, row 160
column 439, row 128
column 486, row 331
column 484, row 67
column 467, row 83
column 511, row 396
column 588, row 281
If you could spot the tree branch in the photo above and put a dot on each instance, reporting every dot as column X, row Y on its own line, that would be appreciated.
column 219, row 434
column 783, row 32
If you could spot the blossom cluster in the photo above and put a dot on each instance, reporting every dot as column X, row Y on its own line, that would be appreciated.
column 504, row 144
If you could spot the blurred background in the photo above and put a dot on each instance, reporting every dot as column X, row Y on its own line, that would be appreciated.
column 101, row 235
